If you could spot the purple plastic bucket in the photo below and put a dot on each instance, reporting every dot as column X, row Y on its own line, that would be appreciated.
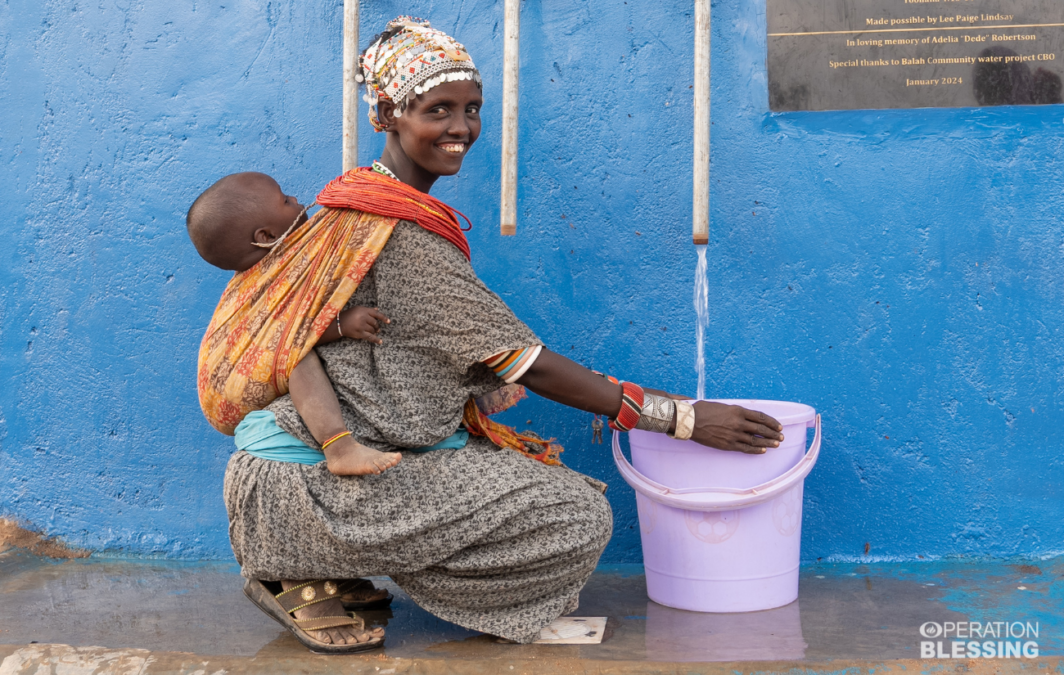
column 722, row 530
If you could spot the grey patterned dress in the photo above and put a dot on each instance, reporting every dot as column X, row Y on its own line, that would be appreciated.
column 483, row 537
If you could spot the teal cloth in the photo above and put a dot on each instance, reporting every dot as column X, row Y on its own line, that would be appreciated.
column 259, row 435
column 455, row 441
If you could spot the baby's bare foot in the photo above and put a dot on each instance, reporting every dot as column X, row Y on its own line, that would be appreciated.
column 343, row 635
column 347, row 457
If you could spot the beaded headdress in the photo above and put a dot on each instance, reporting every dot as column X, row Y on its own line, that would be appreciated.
column 414, row 60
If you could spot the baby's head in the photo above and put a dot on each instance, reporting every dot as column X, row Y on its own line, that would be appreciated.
column 240, row 210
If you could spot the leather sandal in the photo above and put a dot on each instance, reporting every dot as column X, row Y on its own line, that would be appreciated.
column 282, row 607
column 360, row 595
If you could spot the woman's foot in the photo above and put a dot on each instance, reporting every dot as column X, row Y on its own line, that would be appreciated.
column 344, row 635
column 361, row 594
column 348, row 457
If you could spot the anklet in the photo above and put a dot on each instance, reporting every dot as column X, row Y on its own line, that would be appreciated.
column 334, row 439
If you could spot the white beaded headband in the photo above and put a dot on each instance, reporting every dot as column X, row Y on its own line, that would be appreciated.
column 411, row 62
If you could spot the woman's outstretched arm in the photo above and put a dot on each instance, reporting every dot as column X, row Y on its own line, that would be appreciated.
column 728, row 427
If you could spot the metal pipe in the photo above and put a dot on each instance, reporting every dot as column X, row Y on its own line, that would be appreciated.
column 511, row 68
column 350, row 84
column 702, row 122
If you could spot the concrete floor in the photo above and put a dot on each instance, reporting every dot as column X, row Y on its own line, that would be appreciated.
column 121, row 616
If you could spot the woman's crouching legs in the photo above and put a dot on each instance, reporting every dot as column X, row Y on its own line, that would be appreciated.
column 529, row 570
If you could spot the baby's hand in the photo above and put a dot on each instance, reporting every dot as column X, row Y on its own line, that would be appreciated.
column 363, row 323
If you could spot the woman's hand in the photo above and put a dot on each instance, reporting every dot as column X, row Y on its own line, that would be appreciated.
column 734, row 428
column 363, row 323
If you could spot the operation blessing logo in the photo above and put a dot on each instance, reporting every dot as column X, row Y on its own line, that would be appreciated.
column 979, row 640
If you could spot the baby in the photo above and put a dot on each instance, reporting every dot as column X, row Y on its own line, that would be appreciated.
column 232, row 224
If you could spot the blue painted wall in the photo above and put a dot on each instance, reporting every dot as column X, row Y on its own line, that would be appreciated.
column 900, row 270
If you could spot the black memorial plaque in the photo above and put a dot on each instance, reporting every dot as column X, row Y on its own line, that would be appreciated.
column 862, row 54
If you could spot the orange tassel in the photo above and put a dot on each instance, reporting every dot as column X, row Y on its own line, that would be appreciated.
column 479, row 424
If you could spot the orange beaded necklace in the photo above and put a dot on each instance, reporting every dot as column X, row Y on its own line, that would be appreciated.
column 366, row 190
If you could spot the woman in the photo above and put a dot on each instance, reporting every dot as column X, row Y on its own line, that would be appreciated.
column 486, row 538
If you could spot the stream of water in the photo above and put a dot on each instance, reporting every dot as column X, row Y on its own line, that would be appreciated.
column 702, row 311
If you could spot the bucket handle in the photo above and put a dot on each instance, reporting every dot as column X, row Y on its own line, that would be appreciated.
column 716, row 499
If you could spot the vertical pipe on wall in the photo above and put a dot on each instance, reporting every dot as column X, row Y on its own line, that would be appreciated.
column 511, row 67
column 702, row 122
column 350, row 84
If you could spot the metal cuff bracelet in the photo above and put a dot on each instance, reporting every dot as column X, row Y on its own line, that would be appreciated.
column 657, row 413
column 685, row 421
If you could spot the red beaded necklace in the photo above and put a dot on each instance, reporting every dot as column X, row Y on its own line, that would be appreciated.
column 366, row 190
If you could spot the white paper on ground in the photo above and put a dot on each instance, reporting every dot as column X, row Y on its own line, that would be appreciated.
column 573, row 630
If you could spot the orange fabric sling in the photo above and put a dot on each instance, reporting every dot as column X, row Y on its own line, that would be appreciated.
column 272, row 315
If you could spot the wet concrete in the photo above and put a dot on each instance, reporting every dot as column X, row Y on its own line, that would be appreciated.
column 160, row 617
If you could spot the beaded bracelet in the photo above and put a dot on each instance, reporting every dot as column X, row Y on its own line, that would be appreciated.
column 611, row 378
column 631, row 407
column 339, row 327
column 631, row 404
column 334, row 439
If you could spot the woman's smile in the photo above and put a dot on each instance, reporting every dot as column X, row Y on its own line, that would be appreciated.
column 452, row 147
